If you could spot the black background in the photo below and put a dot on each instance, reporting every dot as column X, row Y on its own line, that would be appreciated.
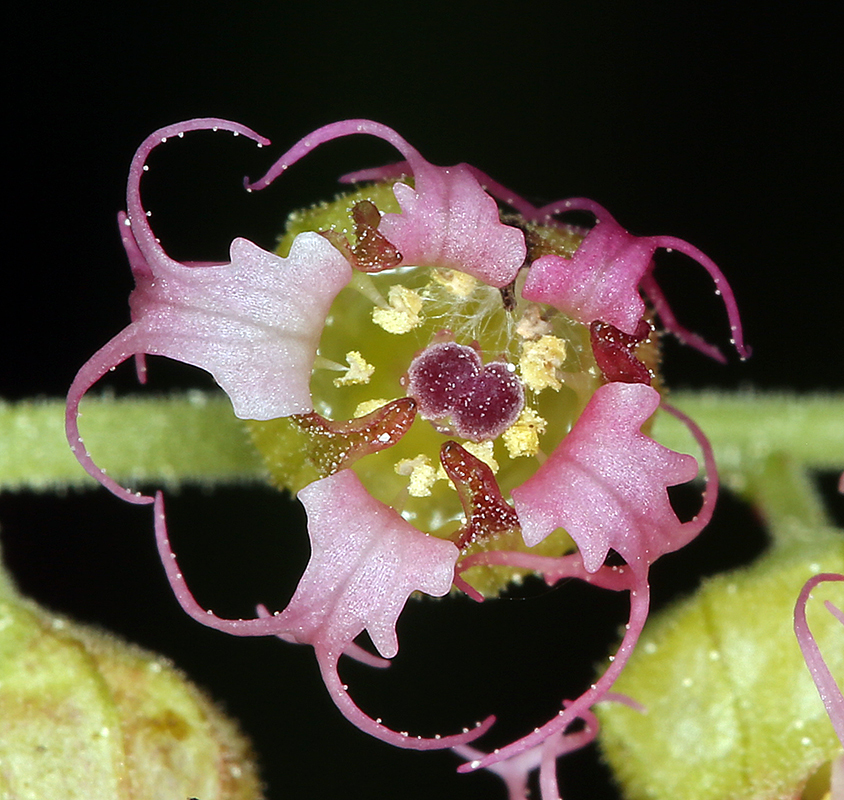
column 717, row 128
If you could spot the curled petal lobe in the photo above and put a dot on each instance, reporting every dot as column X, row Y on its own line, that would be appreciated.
column 447, row 219
column 606, row 484
column 515, row 771
column 149, row 252
column 828, row 689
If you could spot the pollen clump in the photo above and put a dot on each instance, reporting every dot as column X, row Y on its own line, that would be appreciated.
column 522, row 438
column 532, row 325
column 368, row 406
column 483, row 452
column 458, row 283
column 540, row 361
column 421, row 473
column 403, row 313
column 359, row 370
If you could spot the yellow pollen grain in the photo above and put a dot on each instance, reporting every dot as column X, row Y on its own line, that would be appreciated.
column 458, row 283
column 483, row 452
column 522, row 437
column 540, row 361
column 358, row 372
column 403, row 314
column 368, row 406
column 421, row 473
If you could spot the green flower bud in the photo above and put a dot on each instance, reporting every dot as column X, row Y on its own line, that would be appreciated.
column 731, row 710
column 85, row 716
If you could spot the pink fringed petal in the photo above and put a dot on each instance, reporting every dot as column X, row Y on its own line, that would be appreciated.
column 828, row 689
column 602, row 280
column 365, row 562
column 254, row 323
column 606, row 484
column 447, row 219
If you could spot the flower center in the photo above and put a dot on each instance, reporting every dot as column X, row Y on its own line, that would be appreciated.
column 494, row 381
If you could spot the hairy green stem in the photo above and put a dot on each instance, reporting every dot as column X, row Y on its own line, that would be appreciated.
column 195, row 438
column 765, row 446
column 746, row 427
column 188, row 438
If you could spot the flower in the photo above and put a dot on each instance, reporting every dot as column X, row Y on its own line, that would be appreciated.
column 518, row 353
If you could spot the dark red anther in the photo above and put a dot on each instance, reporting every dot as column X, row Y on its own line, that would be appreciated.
column 487, row 513
column 615, row 352
column 336, row 445
column 372, row 252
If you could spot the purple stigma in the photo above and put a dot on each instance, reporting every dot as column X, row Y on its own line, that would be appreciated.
column 449, row 380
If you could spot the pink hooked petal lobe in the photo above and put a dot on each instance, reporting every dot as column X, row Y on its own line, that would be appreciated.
column 601, row 281
column 828, row 689
column 606, row 484
column 447, row 219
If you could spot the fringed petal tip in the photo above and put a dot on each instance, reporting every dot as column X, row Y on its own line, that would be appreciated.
column 606, row 483
column 516, row 770
column 147, row 244
column 447, row 219
column 828, row 688
column 105, row 359
column 375, row 727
